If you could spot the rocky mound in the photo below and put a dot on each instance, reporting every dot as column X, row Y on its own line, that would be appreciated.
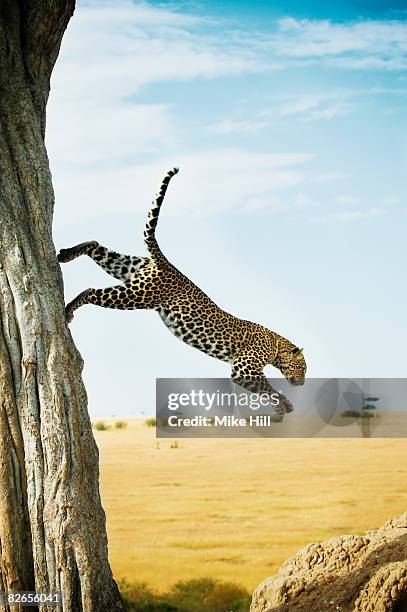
column 349, row 573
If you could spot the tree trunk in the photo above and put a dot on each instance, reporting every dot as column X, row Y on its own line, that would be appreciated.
column 52, row 525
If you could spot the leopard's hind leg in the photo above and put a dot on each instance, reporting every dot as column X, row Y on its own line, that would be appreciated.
column 122, row 267
column 142, row 291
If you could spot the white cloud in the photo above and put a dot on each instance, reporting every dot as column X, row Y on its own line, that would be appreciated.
column 110, row 51
column 328, row 112
column 327, row 177
column 369, row 44
column 323, row 105
column 316, row 106
column 348, row 199
column 391, row 200
column 312, row 106
column 125, row 46
column 209, row 182
column 243, row 126
column 101, row 138
column 113, row 49
column 106, row 133
column 355, row 215
column 303, row 103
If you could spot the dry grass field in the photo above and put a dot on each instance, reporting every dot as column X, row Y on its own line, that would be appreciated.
column 234, row 509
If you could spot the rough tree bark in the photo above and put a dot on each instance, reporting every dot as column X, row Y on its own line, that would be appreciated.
column 52, row 525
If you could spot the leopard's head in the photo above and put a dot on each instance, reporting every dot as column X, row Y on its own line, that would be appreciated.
column 291, row 363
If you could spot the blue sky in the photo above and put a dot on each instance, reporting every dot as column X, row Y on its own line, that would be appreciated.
column 288, row 124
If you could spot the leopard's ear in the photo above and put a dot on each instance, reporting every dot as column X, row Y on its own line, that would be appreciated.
column 297, row 352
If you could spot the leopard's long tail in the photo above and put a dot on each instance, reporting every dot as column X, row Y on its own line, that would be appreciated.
column 152, row 220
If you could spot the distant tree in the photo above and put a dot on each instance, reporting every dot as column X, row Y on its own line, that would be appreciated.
column 369, row 402
column 52, row 525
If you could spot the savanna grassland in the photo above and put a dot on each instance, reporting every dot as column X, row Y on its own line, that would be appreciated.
column 234, row 509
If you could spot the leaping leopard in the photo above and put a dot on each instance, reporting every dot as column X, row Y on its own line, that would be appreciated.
column 154, row 283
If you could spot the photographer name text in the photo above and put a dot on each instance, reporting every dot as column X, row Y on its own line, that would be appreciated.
column 221, row 421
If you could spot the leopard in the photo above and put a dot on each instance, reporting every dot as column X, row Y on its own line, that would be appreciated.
column 154, row 283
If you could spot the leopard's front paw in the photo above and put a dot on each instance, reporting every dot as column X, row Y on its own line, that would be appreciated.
column 69, row 312
column 64, row 255
column 284, row 406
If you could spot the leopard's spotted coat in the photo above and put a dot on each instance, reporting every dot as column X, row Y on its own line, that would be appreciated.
column 154, row 283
